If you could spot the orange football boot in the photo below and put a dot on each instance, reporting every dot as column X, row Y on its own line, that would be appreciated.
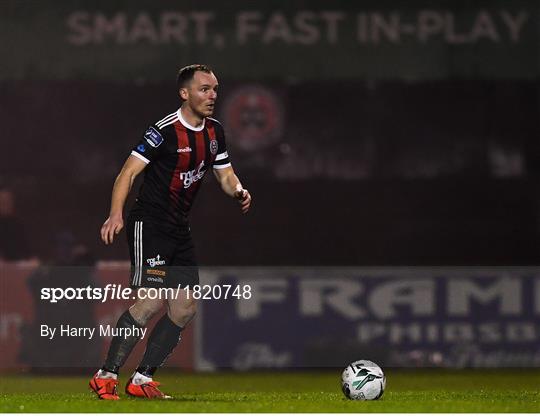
column 105, row 388
column 146, row 390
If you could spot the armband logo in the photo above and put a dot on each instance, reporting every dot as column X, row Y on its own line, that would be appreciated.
column 153, row 137
column 213, row 147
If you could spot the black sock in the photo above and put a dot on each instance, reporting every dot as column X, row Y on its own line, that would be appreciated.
column 121, row 346
column 161, row 343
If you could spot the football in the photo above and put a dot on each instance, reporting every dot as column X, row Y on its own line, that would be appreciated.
column 363, row 380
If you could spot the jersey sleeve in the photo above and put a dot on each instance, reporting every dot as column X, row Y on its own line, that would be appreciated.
column 222, row 157
column 149, row 146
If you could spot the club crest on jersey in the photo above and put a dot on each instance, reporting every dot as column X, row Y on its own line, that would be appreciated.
column 213, row 146
column 153, row 137
column 192, row 176
column 155, row 261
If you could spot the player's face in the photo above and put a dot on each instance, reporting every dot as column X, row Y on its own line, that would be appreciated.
column 201, row 94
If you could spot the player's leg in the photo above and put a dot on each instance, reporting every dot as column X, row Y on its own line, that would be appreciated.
column 167, row 332
column 136, row 317
column 128, row 326
column 105, row 381
column 162, row 341
column 181, row 309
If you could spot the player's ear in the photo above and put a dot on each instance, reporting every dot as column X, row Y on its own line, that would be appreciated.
column 183, row 93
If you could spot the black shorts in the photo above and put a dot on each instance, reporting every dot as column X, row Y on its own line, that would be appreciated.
column 160, row 257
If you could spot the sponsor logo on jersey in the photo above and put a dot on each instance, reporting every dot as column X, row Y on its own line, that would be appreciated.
column 156, row 272
column 184, row 150
column 153, row 137
column 154, row 279
column 213, row 146
column 141, row 148
column 155, row 261
column 192, row 176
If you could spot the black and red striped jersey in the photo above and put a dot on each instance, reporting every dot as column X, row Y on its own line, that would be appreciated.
column 178, row 156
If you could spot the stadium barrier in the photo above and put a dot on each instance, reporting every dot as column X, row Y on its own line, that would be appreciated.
column 397, row 317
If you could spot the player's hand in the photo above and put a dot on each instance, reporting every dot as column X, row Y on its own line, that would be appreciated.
column 243, row 196
column 111, row 227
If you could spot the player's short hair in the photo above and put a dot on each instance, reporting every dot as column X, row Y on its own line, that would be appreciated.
column 187, row 73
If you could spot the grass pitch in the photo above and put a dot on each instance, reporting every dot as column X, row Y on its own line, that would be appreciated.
column 407, row 391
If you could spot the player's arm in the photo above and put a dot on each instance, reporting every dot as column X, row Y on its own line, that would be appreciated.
column 122, row 185
column 231, row 186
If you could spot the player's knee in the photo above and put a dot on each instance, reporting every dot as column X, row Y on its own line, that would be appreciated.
column 144, row 310
column 181, row 316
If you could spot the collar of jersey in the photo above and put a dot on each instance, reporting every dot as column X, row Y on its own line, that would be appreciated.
column 187, row 125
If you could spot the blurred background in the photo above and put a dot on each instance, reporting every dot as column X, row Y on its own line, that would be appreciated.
column 392, row 151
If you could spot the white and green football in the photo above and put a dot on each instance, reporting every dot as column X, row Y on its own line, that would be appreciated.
column 363, row 380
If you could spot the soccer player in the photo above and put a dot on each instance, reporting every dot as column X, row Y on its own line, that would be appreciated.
column 175, row 154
